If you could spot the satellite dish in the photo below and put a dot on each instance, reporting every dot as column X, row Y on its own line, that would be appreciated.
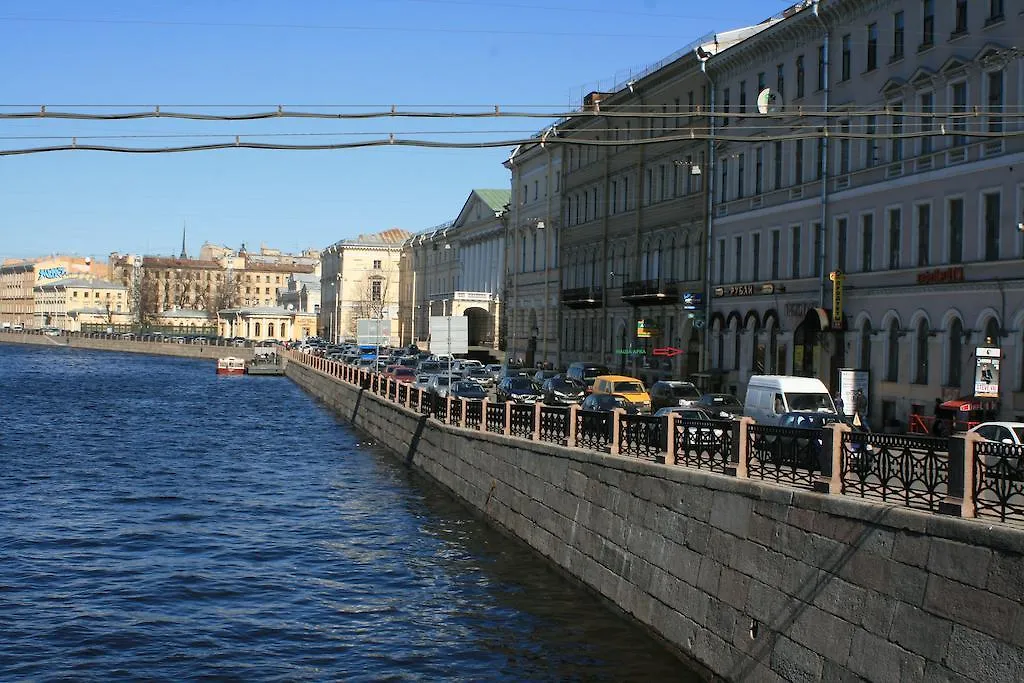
column 768, row 101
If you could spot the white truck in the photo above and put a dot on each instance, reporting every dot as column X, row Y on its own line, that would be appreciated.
column 770, row 396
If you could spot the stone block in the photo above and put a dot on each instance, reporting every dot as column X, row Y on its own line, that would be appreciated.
column 871, row 571
column 768, row 605
column 709, row 576
column 876, row 659
column 1006, row 576
column 840, row 598
column 937, row 673
column 974, row 607
column 682, row 562
column 912, row 549
column 733, row 588
column 794, row 662
column 772, row 509
column 824, row 633
column 961, row 562
column 877, row 612
column 731, row 513
column 919, row 632
column 981, row 657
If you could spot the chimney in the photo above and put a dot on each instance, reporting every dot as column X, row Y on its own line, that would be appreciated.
column 592, row 101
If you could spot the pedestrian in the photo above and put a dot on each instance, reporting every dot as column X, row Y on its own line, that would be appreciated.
column 840, row 404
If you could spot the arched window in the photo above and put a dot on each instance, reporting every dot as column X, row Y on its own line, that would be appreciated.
column 670, row 263
column 655, row 273
column 955, row 348
column 865, row 346
column 284, row 330
column 991, row 335
column 757, row 351
column 686, row 258
column 256, row 328
column 270, row 330
column 921, row 376
column 645, row 263
column 737, row 339
column 892, row 362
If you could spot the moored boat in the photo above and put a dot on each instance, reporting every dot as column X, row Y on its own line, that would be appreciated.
column 230, row 366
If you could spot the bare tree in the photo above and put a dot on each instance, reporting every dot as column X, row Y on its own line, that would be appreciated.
column 148, row 299
column 224, row 296
column 373, row 299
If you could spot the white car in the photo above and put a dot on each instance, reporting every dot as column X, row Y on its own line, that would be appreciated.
column 1011, row 434
column 1004, row 432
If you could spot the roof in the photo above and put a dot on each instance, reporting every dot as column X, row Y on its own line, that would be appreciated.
column 164, row 262
column 264, row 310
column 253, row 265
column 496, row 199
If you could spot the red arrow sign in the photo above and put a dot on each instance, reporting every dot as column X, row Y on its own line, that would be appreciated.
column 667, row 351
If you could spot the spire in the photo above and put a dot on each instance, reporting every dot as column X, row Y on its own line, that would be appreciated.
column 183, row 254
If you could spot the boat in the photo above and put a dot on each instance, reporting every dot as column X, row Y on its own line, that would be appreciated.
column 264, row 363
column 230, row 366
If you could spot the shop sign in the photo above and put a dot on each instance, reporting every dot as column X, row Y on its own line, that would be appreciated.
column 693, row 300
column 645, row 329
column 837, row 278
column 986, row 372
column 941, row 275
column 745, row 290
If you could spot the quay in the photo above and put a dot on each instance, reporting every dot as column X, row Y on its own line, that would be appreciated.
column 115, row 343
column 747, row 579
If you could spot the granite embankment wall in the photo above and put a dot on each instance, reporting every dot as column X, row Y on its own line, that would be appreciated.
column 124, row 345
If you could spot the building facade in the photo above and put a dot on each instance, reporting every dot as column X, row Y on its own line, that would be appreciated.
column 19, row 279
column 871, row 217
column 70, row 303
column 359, row 279
column 262, row 323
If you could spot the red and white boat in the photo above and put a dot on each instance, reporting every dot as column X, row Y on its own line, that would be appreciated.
column 230, row 366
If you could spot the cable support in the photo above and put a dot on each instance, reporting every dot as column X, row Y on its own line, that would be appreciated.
column 392, row 141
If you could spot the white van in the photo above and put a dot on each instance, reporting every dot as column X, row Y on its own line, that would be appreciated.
column 769, row 396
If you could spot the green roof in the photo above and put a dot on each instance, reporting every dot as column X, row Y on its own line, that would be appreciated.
column 496, row 199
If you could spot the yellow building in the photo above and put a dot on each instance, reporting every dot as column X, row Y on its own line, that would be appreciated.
column 18, row 280
column 69, row 303
column 266, row 322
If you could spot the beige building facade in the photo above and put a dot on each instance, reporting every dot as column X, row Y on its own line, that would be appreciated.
column 19, row 279
column 263, row 323
column 69, row 303
column 359, row 279
column 915, row 199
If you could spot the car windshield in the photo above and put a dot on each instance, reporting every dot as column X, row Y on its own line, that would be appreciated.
column 629, row 387
column 403, row 372
column 725, row 401
column 685, row 391
column 809, row 402
column 442, row 381
column 565, row 384
column 466, row 386
column 520, row 384
column 594, row 371
column 478, row 372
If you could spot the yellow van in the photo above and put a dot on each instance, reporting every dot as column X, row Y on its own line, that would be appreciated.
column 630, row 388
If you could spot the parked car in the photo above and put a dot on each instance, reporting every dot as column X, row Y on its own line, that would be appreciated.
column 422, row 381
column 814, row 442
column 51, row 331
column 440, row 385
column 495, row 370
column 1009, row 433
column 606, row 403
column 666, row 393
column 586, row 372
column 563, row 391
column 467, row 388
column 721, row 405
column 480, row 376
column 685, row 413
column 629, row 388
column 403, row 374
column 769, row 397
column 542, row 376
column 518, row 390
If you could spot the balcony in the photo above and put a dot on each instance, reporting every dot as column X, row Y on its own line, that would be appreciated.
column 582, row 297
column 651, row 292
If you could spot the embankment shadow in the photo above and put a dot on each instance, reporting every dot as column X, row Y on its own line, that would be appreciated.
column 414, row 443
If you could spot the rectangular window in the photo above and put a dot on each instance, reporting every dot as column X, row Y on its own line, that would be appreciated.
column 991, row 203
column 819, row 157
column 725, row 106
column 721, row 261
column 625, row 193
column 738, row 272
column 896, row 149
column 689, row 173
column 662, row 182
column 821, row 67
column 895, row 237
column 995, row 11
column 776, row 249
column 777, row 164
column 898, row 33
column 961, row 18
column 846, row 58
column 870, row 144
column 725, row 182
column 755, row 256
column 924, row 235
column 780, row 80
column 819, row 237
column 841, row 245
column 679, row 123
column 376, row 291
column 690, row 103
column 758, row 170
column 927, row 24
column 995, row 100
column 872, row 52
column 740, row 176
column 798, row 162
column 927, row 106
column 761, row 82
column 867, row 241
column 615, row 196
column 743, row 97
column 956, row 230
column 376, row 265
column 649, row 178
column 844, row 147
column 800, row 76
column 958, row 97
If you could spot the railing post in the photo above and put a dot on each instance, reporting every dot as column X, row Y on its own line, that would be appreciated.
column 508, row 418
column 830, row 480
column 408, row 396
column 447, row 409
column 616, row 417
column 419, row 400
column 670, row 438
column 536, row 421
column 462, row 414
column 570, row 439
column 743, row 447
column 483, row 415
column 967, row 508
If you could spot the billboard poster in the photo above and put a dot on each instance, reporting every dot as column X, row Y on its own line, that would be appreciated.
column 850, row 383
column 986, row 372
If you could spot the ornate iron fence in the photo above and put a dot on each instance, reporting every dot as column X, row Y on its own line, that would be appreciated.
column 787, row 455
column 705, row 444
column 455, row 418
column 495, row 418
column 642, row 436
column 554, row 424
column 998, row 480
column 474, row 414
column 426, row 402
column 521, row 420
column 594, row 430
column 910, row 470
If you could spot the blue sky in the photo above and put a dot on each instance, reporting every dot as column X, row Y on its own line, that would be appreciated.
column 213, row 55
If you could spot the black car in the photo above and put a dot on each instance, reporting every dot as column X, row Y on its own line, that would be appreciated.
column 808, row 449
column 542, row 376
column 721, row 405
column 469, row 389
column 562, row 391
column 666, row 393
column 518, row 390
column 586, row 373
column 606, row 403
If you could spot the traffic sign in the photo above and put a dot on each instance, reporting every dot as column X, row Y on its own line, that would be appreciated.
column 668, row 351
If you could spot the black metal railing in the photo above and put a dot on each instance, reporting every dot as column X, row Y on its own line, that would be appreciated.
column 455, row 417
column 786, row 455
column 651, row 289
column 910, row 470
column 554, row 424
column 474, row 414
column 495, row 418
column 642, row 436
column 706, row 445
column 998, row 480
column 521, row 420
column 582, row 297
column 594, row 430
